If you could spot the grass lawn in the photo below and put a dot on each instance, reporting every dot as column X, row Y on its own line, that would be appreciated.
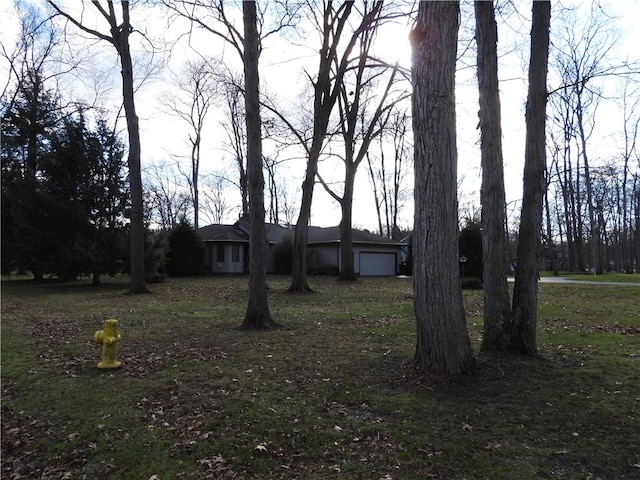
column 606, row 277
column 603, row 277
column 330, row 395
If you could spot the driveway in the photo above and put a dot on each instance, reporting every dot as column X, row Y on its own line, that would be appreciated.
column 582, row 282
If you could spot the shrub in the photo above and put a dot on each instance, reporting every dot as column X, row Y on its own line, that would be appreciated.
column 186, row 251
column 470, row 246
column 471, row 283
column 155, row 256
column 325, row 269
column 283, row 256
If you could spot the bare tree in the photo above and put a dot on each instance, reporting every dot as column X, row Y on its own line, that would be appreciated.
column 216, row 207
column 211, row 15
column 387, row 181
column 271, row 165
column 525, row 296
column 258, row 315
column 218, row 18
column 563, row 118
column 366, row 97
column 631, row 125
column 332, row 23
column 549, row 233
column 442, row 343
column 118, row 33
column 27, row 70
column 235, row 128
column 497, row 308
column 167, row 200
column 583, row 59
column 192, row 95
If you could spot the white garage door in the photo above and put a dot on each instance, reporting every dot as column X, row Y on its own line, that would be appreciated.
column 372, row 264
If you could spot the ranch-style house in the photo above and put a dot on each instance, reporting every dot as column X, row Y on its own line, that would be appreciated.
column 227, row 249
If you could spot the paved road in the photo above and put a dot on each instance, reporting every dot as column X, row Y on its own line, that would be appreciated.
column 582, row 282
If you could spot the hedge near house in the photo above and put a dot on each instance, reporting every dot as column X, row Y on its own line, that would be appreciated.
column 186, row 252
column 283, row 256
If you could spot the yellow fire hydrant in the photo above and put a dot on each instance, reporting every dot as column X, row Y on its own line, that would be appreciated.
column 108, row 338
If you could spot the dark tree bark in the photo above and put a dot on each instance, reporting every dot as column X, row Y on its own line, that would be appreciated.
column 443, row 344
column 359, row 126
column 525, row 296
column 119, row 37
column 120, row 34
column 593, row 226
column 258, row 315
column 347, row 267
column 325, row 96
column 497, row 309
column 327, row 87
column 549, row 231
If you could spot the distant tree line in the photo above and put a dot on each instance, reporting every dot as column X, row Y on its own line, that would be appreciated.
column 592, row 204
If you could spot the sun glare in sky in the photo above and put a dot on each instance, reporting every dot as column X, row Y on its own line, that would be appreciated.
column 284, row 69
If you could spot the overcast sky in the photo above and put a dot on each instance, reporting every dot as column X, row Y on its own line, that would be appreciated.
column 282, row 74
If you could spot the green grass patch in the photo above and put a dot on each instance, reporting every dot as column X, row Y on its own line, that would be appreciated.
column 604, row 277
column 332, row 394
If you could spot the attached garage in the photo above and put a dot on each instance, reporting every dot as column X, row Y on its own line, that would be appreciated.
column 373, row 255
column 378, row 264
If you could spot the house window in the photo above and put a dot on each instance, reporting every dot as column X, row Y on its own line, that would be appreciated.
column 235, row 253
column 220, row 256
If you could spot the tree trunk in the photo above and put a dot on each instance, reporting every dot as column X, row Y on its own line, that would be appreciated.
column 324, row 99
column 562, row 264
column 593, row 226
column 442, row 339
column 578, row 219
column 567, row 219
column 377, row 198
column 301, row 235
column 120, row 35
column 627, row 258
column 119, row 38
column 347, row 269
column 636, row 215
column 195, row 173
column 323, row 104
column 550, row 244
column 525, row 295
column 258, row 315
column 497, row 311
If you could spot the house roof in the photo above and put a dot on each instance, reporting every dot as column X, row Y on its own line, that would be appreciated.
column 221, row 233
column 239, row 232
column 332, row 235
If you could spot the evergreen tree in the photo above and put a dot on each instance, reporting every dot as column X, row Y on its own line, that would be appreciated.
column 108, row 246
column 63, row 189
column 283, row 255
column 67, row 184
column 186, row 251
column 28, row 123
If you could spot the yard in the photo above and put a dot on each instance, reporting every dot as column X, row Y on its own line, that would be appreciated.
column 330, row 395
